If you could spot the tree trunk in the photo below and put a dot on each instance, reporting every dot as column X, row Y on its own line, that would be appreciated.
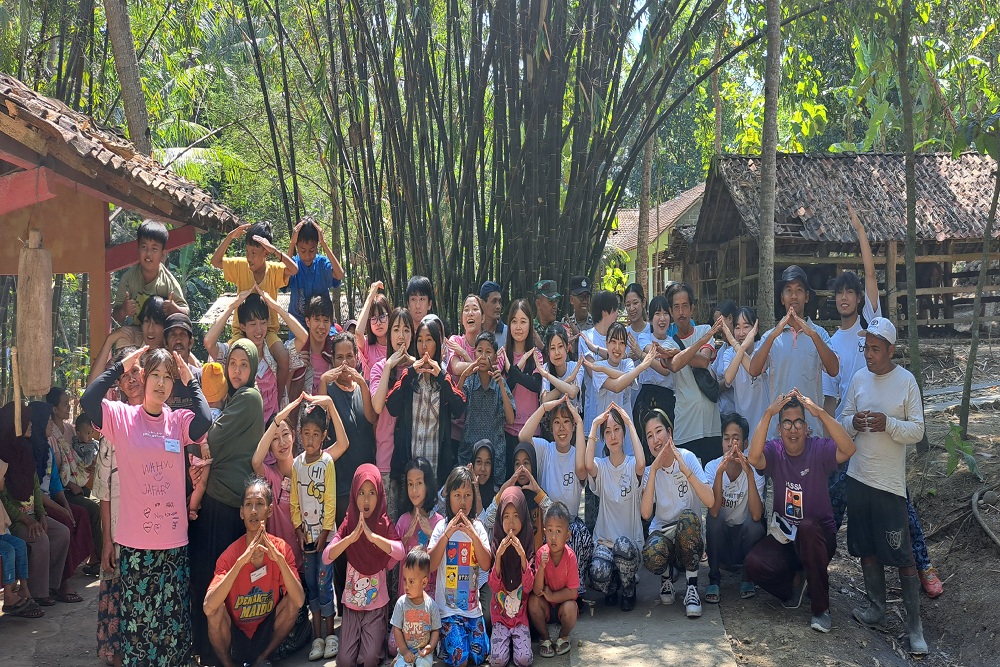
column 768, row 166
column 909, row 160
column 642, row 233
column 716, row 95
column 963, row 415
column 127, row 67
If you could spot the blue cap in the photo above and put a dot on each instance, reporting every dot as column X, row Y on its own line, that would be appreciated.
column 488, row 288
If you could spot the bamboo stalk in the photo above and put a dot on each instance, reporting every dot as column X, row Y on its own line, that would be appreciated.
column 16, row 377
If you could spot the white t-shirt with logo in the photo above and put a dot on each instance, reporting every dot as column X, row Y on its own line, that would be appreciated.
column 752, row 394
column 620, row 492
column 623, row 398
column 735, row 493
column 557, row 475
column 650, row 376
column 850, row 347
column 674, row 493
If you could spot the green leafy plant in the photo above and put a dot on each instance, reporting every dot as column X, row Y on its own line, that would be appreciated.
column 959, row 449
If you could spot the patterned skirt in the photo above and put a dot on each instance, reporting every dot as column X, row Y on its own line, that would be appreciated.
column 109, row 599
column 155, row 624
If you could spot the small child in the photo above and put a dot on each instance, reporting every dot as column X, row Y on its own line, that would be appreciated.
column 317, row 274
column 85, row 441
column 557, row 583
column 417, row 518
column 314, row 515
column 149, row 277
column 489, row 401
column 416, row 621
column 511, row 581
column 14, row 558
column 371, row 543
column 459, row 548
column 215, row 387
column 254, row 271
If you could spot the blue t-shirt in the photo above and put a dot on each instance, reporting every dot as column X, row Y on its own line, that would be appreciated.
column 307, row 283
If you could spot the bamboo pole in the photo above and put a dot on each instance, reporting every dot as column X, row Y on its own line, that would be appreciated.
column 16, row 377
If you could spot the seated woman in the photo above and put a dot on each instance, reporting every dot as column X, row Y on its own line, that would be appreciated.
column 152, row 320
column 616, row 479
column 255, row 596
column 562, row 470
column 672, row 499
column 23, row 499
column 802, row 536
column 14, row 565
column 734, row 522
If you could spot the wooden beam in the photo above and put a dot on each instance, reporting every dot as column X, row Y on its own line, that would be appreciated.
column 126, row 254
column 24, row 188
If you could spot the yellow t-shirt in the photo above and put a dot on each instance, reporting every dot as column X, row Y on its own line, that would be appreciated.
column 237, row 271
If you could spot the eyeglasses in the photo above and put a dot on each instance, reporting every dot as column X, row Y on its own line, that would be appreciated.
column 379, row 318
column 798, row 424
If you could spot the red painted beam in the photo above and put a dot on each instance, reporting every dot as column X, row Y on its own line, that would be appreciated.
column 24, row 188
column 126, row 254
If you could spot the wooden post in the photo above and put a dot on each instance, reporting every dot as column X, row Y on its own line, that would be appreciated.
column 890, row 279
column 949, row 307
column 17, row 391
column 743, row 270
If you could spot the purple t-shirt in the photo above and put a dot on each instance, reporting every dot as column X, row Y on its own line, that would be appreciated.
column 801, row 482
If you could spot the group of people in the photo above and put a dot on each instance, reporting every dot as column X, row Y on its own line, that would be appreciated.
column 452, row 496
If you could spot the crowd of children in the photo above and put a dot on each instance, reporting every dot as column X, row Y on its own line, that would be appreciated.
column 444, row 496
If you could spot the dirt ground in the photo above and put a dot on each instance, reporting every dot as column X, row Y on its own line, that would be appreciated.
column 960, row 625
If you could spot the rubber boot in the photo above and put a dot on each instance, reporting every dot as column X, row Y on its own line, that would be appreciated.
column 911, row 601
column 874, row 615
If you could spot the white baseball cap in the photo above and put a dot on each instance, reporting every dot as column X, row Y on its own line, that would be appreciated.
column 881, row 327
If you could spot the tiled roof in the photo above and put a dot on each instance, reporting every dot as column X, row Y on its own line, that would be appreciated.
column 626, row 237
column 953, row 196
column 102, row 160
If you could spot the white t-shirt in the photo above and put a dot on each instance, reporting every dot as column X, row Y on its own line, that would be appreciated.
column 650, row 376
column 620, row 492
column 587, row 381
column 624, row 398
column 735, row 498
column 697, row 417
column 557, row 475
column 578, row 381
column 751, row 393
column 674, row 493
column 457, row 589
column 794, row 362
column 727, row 398
column 850, row 348
column 880, row 461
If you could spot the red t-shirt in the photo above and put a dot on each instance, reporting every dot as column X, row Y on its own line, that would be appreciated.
column 565, row 574
column 256, row 592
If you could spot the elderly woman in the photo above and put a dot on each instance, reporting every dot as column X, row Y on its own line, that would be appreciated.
column 23, row 499
column 151, row 530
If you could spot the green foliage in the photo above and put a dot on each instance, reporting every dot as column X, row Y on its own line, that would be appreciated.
column 960, row 450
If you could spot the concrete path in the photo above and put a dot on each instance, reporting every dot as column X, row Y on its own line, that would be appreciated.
column 650, row 635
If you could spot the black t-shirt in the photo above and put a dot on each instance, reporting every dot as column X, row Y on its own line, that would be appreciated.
column 360, row 434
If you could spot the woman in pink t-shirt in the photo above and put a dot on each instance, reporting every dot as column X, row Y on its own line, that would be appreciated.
column 149, row 441
column 373, row 330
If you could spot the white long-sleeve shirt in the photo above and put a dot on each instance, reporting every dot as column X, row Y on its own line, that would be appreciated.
column 880, row 461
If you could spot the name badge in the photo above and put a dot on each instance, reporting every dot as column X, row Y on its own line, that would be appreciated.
column 172, row 445
column 257, row 574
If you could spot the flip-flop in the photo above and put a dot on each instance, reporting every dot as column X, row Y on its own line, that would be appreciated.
column 747, row 589
column 92, row 570
column 69, row 598
column 562, row 646
column 545, row 649
column 27, row 609
column 712, row 594
column 46, row 602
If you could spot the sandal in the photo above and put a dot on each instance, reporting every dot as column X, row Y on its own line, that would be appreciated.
column 26, row 609
column 562, row 646
column 545, row 649
column 70, row 598
column 46, row 602
column 712, row 594
column 92, row 570
column 747, row 589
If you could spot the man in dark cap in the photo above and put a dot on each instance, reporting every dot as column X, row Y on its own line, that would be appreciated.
column 792, row 363
column 493, row 315
column 579, row 318
column 178, row 335
column 546, row 307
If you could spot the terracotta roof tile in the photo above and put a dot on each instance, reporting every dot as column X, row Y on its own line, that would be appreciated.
column 627, row 235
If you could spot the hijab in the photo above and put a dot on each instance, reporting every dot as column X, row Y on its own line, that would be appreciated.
column 17, row 452
column 529, row 448
column 510, row 560
column 364, row 556
column 488, row 489
column 250, row 349
column 41, row 413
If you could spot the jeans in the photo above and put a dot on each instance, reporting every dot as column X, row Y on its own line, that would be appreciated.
column 14, row 552
column 319, row 584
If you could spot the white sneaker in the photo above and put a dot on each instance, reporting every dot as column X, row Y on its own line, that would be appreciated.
column 316, row 651
column 666, row 590
column 331, row 648
column 692, row 603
